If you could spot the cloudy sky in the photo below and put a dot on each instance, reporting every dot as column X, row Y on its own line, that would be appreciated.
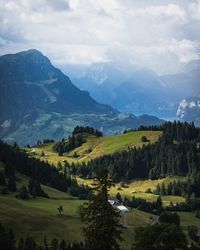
column 160, row 34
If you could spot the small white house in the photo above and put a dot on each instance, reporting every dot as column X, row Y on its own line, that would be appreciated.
column 124, row 210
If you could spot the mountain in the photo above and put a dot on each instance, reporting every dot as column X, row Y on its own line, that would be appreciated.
column 144, row 92
column 141, row 90
column 38, row 101
column 129, row 90
column 185, row 83
column 100, row 79
column 189, row 109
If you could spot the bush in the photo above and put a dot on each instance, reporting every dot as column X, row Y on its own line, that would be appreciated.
column 164, row 236
column 23, row 193
column 144, row 139
column 148, row 191
column 4, row 190
column 193, row 233
column 167, row 217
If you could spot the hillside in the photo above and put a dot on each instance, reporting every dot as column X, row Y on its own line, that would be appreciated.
column 39, row 217
column 95, row 147
column 140, row 194
column 38, row 101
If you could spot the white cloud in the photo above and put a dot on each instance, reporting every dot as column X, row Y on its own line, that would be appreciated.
column 149, row 33
column 194, row 10
column 170, row 12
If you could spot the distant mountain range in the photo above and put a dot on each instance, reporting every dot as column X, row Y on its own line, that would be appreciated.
column 38, row 101
column 140, row 91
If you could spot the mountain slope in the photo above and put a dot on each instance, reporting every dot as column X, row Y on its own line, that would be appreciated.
column 38, row 101
column 140, row 91
column 94, row 147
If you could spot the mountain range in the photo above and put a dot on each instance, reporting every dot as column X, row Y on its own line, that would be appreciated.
column 38, row 101
column 141, row 90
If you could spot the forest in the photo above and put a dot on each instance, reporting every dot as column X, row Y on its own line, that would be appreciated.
column 78, row 137
column 176, row 153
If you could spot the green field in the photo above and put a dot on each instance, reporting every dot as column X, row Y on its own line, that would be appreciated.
column 138, row 189
column 39, row 217
column 95, row 147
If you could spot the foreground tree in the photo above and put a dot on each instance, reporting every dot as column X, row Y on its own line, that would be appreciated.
column 102, row 228
column 160, row 237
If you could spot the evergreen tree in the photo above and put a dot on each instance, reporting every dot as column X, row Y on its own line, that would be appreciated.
column 160, row 237
column 62, row 245
column 21, row 244
column 167, row 217
column 162, row 189
column 54, row 244
column 23, row 193
column 3, row 238
column 12, row 184
column 35, row 189
column 102, row 229
column 118, row 197
column 29, row 243
column 2, row 179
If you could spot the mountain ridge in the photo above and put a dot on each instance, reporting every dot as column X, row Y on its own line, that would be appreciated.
column 39, row 101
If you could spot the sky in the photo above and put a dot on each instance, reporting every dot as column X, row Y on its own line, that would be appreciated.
column 162, row 35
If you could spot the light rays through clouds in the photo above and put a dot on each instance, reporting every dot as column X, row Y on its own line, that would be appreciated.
column 161, row 35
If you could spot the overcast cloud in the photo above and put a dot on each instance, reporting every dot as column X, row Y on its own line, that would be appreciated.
column 162, row 35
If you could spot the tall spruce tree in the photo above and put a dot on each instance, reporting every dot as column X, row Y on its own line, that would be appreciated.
column 102, row 228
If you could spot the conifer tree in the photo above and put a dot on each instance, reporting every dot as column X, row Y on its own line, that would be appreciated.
column 102, row 229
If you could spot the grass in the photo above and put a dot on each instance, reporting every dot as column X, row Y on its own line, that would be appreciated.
column 138, row 189
column 188, row 219
column 95, row 147
column 39, row 217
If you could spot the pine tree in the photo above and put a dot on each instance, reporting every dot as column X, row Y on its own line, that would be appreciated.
column 54, row 244
column 62, row 245
column 23, row 193
column 162, row 189
column 118, row 197
column 12, row 184
column 20, row 244
column 2, row 179
column 11, row 240
column 102, row 229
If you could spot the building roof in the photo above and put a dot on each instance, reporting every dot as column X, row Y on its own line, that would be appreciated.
column 122, row 208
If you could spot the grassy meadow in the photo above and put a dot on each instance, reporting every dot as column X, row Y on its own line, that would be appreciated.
column 95, row 147
column 39, row 217
column 138, row 189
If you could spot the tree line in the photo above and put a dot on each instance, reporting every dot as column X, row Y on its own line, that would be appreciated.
column 9, row 242
column 77, row 138
column 177, row 152
column 38, row 171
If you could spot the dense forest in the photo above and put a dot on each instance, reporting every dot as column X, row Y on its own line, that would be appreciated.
column 176, row 153
column 38, row 171
column 77, row 138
